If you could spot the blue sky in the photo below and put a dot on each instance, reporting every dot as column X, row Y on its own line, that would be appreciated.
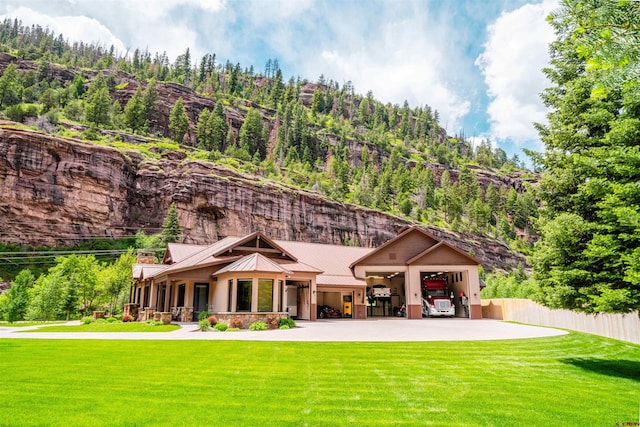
column 477, row 62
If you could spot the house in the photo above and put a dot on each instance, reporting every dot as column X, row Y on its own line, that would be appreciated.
column 254, row 276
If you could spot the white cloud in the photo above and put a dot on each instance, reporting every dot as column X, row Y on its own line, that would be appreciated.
column 73, row 28
column 515, row 53
column 398, row 55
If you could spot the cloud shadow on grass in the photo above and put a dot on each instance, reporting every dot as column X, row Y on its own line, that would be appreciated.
column 629, row 369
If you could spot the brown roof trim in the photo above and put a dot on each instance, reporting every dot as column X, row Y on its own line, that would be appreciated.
column 436, row 246
column 215, row 261
column 251, row 236
column 405, row 231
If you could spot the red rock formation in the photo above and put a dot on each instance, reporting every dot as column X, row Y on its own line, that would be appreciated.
column 57, row 191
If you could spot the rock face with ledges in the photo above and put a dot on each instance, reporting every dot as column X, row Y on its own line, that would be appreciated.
column 57, row 191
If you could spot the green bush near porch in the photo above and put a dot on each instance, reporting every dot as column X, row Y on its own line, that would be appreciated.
column 575, row 380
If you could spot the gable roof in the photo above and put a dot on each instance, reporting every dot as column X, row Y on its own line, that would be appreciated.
column 460, row 256
column 403, row 235
column 176, row 252
column 254, row 262
column 145, row 271
column 203, row 257
column 262, row 244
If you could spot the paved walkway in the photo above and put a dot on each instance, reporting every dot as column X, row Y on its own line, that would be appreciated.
column 371, row 330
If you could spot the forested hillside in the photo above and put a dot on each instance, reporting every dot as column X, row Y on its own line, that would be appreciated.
column 321, row 136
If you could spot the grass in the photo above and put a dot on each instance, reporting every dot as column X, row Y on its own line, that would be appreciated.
column 571, row 380
column 108, row 327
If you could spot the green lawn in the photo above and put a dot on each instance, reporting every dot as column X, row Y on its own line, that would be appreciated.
column 572, row 380
column 107, row 327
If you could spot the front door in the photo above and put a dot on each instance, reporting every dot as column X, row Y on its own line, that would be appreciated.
column 200, row 299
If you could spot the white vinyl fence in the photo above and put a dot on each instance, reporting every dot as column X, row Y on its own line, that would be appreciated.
column 625, row 327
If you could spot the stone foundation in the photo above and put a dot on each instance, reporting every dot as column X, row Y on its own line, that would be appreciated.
column 145, row 315
column 186, row 314
column 165, row 318
column 98, row 315
column 249, row 318
column 132, row 310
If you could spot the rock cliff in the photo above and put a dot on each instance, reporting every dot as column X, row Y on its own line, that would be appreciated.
column 56, row 191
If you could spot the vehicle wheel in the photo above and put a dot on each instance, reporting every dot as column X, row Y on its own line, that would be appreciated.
column 322, row 314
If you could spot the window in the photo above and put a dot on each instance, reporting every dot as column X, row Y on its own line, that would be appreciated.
column 162, row 290
column 265, row 294
column 146, row 297
column 230, row 300
column 243, row 295
column 181, row 295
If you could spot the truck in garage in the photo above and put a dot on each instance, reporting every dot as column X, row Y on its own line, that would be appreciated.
column 437, row 298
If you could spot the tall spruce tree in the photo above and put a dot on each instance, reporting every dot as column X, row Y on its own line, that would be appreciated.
column 171, row 226
column 178, row 121
column 588, row 257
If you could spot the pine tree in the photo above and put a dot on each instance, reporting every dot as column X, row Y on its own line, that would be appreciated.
column 252, row 135
column 149, row 102
column 178, row 121
column 588, row 257
column 218, row 127
column 203, row 130
column 134, row 116
column 98, row 104
column 171, row 226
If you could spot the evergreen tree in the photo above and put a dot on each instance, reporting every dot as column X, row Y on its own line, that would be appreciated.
column 149, row 102
column 171, row 226
column 98, row 104
column 203, row 131
column 178, row 121
column 252, row 134
column 317, row 102
column 588, row 257
column 218, row 127
column 134, row 116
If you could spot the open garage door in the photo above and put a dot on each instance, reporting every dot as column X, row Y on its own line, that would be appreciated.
column 444, row 294
column 386, row 294
column 332, row 304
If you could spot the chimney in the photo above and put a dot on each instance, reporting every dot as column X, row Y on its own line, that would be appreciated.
column 146, row 257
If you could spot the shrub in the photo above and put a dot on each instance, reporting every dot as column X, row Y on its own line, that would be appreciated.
column 111, row 319
column 18, row 112
column 221, row 327
column 204, row 325
column 233, row 329
column 91, row 134
column 213, row 320
column 86, row 320
column 127, row 318
column 203, row 315
column 284, row 327
column 236, row 323
column 101, row 320
column 258, row 325
column 154, row 323
column 286, row 321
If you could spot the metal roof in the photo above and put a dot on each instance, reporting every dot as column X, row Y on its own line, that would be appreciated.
column 254, row 262
column 179, row 251
column 332, row 260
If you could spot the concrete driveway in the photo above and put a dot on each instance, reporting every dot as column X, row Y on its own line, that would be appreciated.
column 370, row 330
